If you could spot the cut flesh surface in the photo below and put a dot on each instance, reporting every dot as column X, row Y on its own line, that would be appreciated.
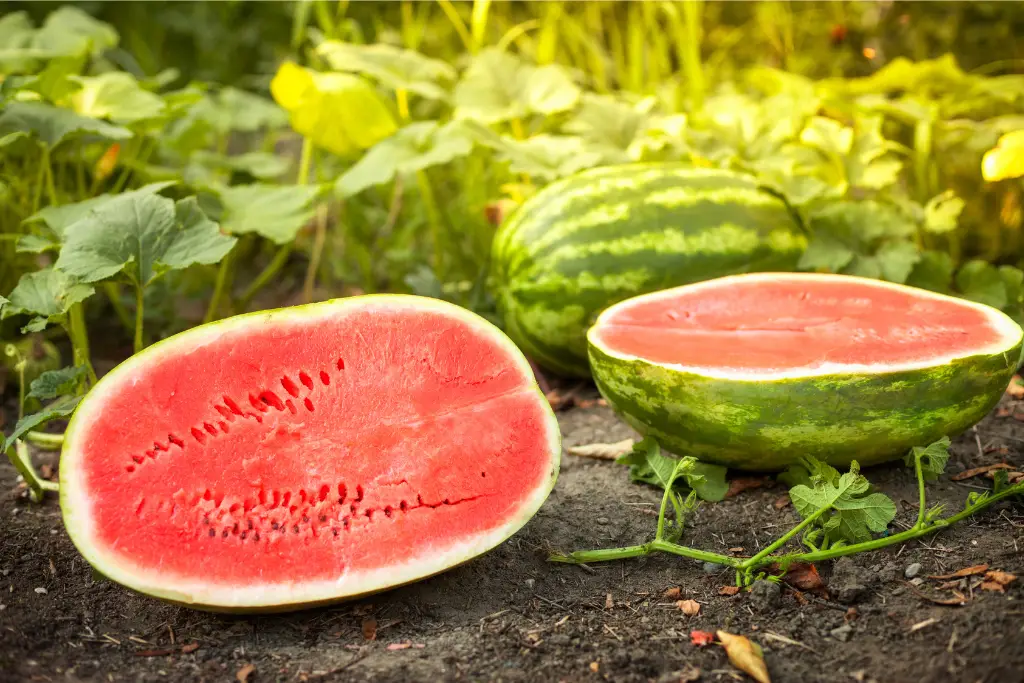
column 309, row 454
column 777, row 325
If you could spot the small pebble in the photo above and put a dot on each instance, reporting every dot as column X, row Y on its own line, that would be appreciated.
column 917, row 581
column 603, row 520
column 530, row 583
column 842, row 633
column 913, row 570
column 41, row 590
column 712, row 568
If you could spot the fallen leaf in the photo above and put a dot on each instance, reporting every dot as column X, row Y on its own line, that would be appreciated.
column 1002, row 578
column 960, row 573
column 745, row 656
column 603, row 451
column 1001, row 450
column 46, row 471
column 690, row 608
column 672, row 593
column 960, row 599
column 702, row 638
column 243, row 674
column 594, row 666
column 805, row 576
column 947, row 585
column 608, row 602
column 728, row 590
column 967, row 474
column 400, row 646
column 1016, row 387
column 738, row 549
column 741, row 484
column 370, row 629
column 190, row 647
column 923, row 624
column 992, row 586
column 590, row 403
column 782, row 501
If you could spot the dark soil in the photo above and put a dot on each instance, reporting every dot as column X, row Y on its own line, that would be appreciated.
column 512, row 616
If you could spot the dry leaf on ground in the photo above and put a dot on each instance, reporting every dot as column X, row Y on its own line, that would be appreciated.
column 672, row 593
column 958, row 599
column 602, row 451
column 608, row 602
column 702, row 638
column 997, row 580
column 370, row 629
column 960, row 573
column 805, row 576
column 728, row 590
column 741, row 484
column 190, row 647
column 967, row 474
column 1016, row 387
column 782, row 502
column 745, row 656
column 689, row 607
column 243, row 674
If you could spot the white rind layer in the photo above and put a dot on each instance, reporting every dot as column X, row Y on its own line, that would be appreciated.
column 423, row 561
column 1010, row 333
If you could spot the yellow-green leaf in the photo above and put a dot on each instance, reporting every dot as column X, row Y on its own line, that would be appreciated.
column 339, row 112
column 1006, row 159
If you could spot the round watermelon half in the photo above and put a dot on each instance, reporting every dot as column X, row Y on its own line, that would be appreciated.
column 753, row 371
column 301, row 456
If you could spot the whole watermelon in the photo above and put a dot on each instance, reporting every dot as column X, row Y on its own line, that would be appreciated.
column 595, row 238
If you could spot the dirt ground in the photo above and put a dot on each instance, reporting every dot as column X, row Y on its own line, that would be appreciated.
column 512, row 616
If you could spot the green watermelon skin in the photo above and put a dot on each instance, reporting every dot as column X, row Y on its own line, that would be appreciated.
column 767, row 425
column 607, row 234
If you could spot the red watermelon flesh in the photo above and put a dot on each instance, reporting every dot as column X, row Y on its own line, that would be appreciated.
column 773, row 324
column 306, row 455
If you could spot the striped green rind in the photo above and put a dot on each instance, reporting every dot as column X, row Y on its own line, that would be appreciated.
column 604, row 235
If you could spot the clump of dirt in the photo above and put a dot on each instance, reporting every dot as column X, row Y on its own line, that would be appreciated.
column 512, row 616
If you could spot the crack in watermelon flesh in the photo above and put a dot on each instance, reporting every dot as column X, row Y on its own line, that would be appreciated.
column 768, row 324
column 291, row 457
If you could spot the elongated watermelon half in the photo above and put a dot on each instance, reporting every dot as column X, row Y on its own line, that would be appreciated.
column 753, row 371
column 294, row 457
column 607, row 234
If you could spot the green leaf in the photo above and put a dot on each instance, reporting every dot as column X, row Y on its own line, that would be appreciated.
column 853, row 513
column 980, row 281
column 707, row 480
column 862, row 223
column 394, row 67
column 610, row 125
column 825, row 253
column 413, row 148
column 933, row 458
column 545, row 156
column 499, row 86
column 942, row 212
column 142, row 235
column 260, row 165
column 116, row 96
column 276, row 212
column 1006, row 159
column 806, row 470
column 828, row 136
column 649, row 466
column 69, row 30
column 54, row 383
column 35, row 244
column 47, row 294
column 896, row 260
column 339, row 112
column 52, row 125
column 62, row 407
column 934, row 271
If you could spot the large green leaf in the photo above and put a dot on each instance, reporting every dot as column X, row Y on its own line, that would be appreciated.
column 933, row 458
column 69, row 30
column 648, row 465
column 276, row 212
column 394, row 67
column 339, row 112
column 544, row 156
column 499, row 86
column 54, row 383
column 141, row 235
column 413, row 148
column 942, row 212
column 116, row 96
column 980, row 281
column 933, row 271
column 853, row 514
column 609, row 124
column 62, row 407
column 47, row 295
column 52, row 125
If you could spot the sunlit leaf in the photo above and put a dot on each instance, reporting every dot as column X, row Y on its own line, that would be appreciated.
column 116, row 96
column 897, row 259
column 35, row 244
column 52, row 125
column 499, row 86
column 544, row 156
column 276, row 212
column 394, row 67
column 46, row 294
column 830, row 137
column 1006, row 159
column 609, row 124
column 142, row 235
column 413, row 148
column 69, row 30
column 339, row 112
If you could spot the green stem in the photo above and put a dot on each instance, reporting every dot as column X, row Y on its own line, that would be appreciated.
column 21, row 388
column 268, row 273
column 19, row 456
column 37, row 194
column 305, row 161
column 219, row 287
column 314, row 258
column 51, row 191
column 692, row 61
column 114, row 294
column 603, row 555
column 139, row 306
column 478, row 22
column 44, row 440
column 756, row 560
column 79, row 335
column 458, row 23
column 434, row 217
column 660, row 533
column 693, row 553
column 920, row 490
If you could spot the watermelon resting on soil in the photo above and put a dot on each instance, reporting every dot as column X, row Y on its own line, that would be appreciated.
column 610, row 233
column 753, row 371
column 305, row 455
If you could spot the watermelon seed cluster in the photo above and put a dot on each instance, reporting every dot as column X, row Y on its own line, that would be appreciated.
column 229, row 410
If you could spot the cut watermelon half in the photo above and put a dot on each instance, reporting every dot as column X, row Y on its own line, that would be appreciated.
column 300, row 456
column 755, row 370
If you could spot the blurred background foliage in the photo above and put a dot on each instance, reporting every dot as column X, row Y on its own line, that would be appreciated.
column 366, row 146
